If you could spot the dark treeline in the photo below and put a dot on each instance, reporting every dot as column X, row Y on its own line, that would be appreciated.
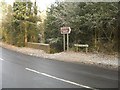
column 95, row 24
column 19, row 23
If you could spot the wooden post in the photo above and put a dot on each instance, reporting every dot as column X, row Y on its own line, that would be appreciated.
column 95, row 40
column 86, row 49
column 64, row 42
column 67, row 42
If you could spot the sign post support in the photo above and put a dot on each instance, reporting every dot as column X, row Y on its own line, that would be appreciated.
column 64, row 42
column 67, row 42
column 65, row 30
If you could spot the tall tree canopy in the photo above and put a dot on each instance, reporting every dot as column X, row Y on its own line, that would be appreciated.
column 23, row 24
column 91, row 23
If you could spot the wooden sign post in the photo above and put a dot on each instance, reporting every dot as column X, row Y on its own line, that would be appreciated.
column 65, row 30
column 64, row 42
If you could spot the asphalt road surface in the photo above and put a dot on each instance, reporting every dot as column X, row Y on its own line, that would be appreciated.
column 24, row 71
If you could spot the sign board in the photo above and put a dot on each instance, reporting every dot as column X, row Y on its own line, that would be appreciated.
column 65, row 30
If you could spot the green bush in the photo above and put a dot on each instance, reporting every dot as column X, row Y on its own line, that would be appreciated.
column 55, row 45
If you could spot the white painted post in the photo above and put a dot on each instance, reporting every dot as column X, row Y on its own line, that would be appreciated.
column 64, row 42
column 67, row 42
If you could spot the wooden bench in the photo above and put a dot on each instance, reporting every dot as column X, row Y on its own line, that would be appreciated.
column 82, row 45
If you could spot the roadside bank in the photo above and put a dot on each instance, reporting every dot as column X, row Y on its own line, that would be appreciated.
column 99, row 59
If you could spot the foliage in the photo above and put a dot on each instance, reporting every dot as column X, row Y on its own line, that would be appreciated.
column 91, row 23
column 21, row 25
column 6, row 25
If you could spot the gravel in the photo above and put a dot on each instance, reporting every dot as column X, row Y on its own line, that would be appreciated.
column 99, row 59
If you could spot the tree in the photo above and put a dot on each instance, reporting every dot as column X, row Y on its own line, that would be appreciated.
column 19, row 23
column 25, row 22
column 91, row 23
column 6, row 22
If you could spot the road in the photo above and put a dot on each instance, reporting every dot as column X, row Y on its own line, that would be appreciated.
column 24, row 71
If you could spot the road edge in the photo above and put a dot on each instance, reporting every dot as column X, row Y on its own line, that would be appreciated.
column 105, row 66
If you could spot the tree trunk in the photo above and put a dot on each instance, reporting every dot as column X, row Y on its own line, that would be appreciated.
column 25, row 34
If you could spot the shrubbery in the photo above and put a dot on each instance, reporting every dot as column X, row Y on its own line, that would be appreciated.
column 94, row 24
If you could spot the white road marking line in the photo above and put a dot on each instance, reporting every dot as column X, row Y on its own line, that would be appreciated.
column 60, row 79
column 1, row 59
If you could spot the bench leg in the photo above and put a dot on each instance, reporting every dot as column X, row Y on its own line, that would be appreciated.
column 86, row 50
column 76, row 49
